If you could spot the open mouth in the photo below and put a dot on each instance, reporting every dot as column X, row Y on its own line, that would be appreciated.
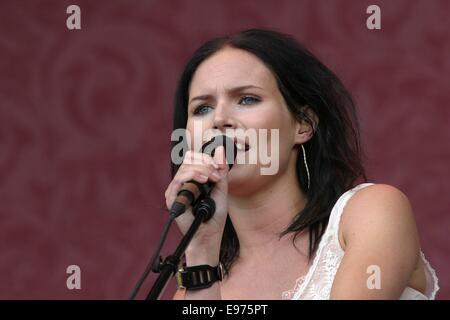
column 241, row 145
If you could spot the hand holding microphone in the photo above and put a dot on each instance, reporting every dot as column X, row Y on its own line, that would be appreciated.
column 202, row 176
column 197, row 170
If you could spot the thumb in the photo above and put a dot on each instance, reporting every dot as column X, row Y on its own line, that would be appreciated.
column 220, row 159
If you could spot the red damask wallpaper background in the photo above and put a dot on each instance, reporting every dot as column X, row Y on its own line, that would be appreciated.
column 85, row 123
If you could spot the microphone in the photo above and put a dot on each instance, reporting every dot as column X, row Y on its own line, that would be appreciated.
column 194, row 194
column 192, row 191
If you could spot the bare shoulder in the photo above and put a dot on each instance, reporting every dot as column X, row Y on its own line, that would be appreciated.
column 379, row 209
column 377, row 229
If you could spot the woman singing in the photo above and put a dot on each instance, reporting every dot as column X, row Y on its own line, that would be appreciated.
column 315, row 229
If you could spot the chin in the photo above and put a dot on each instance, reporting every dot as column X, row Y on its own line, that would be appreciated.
column 243, row 179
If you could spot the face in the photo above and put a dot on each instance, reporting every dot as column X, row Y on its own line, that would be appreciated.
column 233, row 90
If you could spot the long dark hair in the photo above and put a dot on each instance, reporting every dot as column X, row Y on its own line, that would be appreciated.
column 334, row 154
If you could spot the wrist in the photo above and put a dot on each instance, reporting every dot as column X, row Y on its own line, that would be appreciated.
column 199, row 277
column 199, row 256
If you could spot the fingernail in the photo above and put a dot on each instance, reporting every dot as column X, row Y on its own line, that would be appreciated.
column 203, row 177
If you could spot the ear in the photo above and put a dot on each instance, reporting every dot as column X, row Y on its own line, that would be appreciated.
column 304, row 130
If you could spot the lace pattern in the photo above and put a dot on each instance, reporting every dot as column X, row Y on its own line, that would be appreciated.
column 319, row 279
column 288, row 295
column 431, row 273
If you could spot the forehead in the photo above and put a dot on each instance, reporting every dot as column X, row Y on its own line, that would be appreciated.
column 230, row 68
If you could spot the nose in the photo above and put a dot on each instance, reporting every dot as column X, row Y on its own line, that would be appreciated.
column 222, row 119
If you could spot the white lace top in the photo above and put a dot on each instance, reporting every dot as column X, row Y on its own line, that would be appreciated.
column 317, row 283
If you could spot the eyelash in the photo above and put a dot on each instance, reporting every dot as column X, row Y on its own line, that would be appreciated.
column 198, row 112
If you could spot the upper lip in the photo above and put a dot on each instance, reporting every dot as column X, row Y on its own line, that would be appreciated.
column 240, row 144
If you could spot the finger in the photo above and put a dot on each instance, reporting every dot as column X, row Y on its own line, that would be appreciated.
column 181, row 176
column 192, row 157
column 199, row 174
column 206, row 170
column 177, row 182
column 219, row 158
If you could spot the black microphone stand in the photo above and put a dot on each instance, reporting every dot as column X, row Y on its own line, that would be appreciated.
column 203, row 211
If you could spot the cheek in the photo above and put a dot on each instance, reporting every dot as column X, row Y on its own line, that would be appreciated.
column 264, row 119
column 198, row 132
column 272, row 119
column 283, row 144
column 196, row 127
column 270, row 115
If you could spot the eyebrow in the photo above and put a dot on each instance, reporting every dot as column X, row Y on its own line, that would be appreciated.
column 230, row 91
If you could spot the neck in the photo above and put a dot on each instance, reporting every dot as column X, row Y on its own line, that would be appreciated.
column 260, row 218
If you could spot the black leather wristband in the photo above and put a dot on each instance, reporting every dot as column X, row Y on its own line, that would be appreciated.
column 199, row 277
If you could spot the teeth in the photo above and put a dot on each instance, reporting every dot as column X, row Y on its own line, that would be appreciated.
column 240, row 146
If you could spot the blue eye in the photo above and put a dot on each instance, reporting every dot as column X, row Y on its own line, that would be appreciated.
column 201, row 110
column 248, row 100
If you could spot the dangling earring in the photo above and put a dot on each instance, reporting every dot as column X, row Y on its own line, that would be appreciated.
column 306, row 164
